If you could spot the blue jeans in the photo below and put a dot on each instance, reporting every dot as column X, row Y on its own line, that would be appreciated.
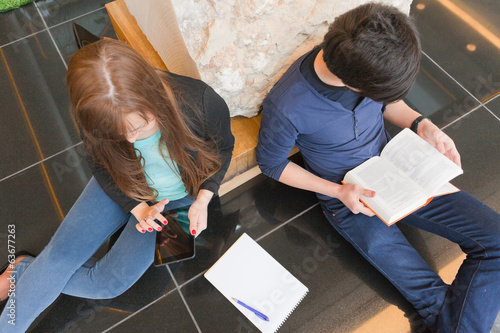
column 471, row 303
column 66, row 265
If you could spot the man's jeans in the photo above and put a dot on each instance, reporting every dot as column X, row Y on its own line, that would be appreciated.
column 65, row 265
column 472, row 302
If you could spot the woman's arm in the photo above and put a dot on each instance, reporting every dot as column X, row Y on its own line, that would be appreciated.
column 217, row 126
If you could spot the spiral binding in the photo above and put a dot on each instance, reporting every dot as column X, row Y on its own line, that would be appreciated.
column 289, row 313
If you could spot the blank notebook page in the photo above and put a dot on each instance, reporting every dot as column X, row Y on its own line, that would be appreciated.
column 248, row 273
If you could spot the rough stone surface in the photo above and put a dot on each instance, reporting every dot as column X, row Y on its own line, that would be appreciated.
column 242, row 47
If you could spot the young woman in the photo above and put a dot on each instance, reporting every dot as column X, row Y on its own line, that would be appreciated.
column 156, row 141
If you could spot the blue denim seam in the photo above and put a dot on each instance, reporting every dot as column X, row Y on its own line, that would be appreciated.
column 381, row 270
column 465, row 297
column 456, row 231
column 473, row 275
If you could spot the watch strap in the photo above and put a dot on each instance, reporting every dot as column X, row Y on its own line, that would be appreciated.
column 417, row 121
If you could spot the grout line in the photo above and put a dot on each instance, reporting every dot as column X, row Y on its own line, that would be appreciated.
column 193, row 278
column 491, row 99
column 451, row 77
column 77, row 17
column 286, row 222
column 138, row 311
column 51, row 37
column 45, row 159
column 493, row 114
column 22, row 38
column 184, row 300
column 462, row 116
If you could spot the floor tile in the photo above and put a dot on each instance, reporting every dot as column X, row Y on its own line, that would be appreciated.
column 494, row 106
column 169, row 314
column 58, row 11
column 437, row 96
column 477, row 138
column 345, row 291
column 37, row 199
column 18, row 23
column 259, row 206
column 73, row 314
column 471, row 58
column 36, row 118
column 97, row 22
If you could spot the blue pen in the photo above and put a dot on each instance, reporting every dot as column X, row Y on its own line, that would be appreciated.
column 260, row 315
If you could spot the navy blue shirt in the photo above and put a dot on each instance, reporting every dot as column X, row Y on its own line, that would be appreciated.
column 331, row 138
column 343, row 95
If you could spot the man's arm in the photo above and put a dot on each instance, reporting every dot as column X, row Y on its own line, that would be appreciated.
column 400, row 114
column 277, row 137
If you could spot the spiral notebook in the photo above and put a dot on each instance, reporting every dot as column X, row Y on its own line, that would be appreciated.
column 248, row 273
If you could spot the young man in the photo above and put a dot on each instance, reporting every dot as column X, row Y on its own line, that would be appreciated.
column 331, row 103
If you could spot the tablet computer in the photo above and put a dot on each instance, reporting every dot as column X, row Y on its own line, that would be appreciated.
column 174, row 242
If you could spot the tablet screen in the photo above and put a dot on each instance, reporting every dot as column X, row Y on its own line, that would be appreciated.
column 174, row 242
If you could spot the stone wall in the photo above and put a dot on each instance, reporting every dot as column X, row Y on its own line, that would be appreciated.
column 242, row 47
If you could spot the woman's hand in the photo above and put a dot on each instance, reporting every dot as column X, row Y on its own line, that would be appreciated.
column 439, row 140
column 349, row 195
column 198, row 212
column 146, row 216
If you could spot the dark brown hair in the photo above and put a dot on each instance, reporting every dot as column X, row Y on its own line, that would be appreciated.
column 108, row 80
column 376, row 49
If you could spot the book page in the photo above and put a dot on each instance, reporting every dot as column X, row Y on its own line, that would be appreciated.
column 395, row 192
column 421, row 162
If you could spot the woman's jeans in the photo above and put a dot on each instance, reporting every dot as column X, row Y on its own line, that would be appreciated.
column 472, row 302
column 66, row 265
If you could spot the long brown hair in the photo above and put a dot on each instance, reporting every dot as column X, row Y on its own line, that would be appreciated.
column 108, row 80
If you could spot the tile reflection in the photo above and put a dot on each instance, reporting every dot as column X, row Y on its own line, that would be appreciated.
column 167, row 315
column 477, row 138
column 73, row 314
column 494, row 105
column 437, row 96
column 37, row 118
column 58, row 11
column 464, row 38
column 37, row 199
column 19, row 23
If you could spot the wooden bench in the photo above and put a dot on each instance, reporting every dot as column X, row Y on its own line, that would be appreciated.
column 245, row 130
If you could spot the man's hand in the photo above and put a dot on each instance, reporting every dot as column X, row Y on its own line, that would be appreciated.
column 439, row 140
column 349, row 194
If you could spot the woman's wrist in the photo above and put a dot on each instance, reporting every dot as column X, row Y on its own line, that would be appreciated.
column 204, row 196
column 137, row 210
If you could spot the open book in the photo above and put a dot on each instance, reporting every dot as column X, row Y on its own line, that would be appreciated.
column 406, row 176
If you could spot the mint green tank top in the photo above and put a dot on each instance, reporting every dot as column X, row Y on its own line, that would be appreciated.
column 160, row 174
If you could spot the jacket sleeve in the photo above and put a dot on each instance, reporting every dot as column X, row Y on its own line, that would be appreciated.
column 108, row 185
column 218, row 126
column 277, row 136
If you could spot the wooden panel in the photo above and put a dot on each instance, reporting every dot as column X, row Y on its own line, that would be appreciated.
column 128, row 30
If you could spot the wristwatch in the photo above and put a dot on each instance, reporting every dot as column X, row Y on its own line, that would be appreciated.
column 417, row 121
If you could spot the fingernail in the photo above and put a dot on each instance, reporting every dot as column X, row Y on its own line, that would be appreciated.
column 150, row 229
column 193, row 232
column 159, row 228
column 143, row 231
column 165, row 222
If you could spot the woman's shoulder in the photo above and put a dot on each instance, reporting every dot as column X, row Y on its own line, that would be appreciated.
column 186, row 85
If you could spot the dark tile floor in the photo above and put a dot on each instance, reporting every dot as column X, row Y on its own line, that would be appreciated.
column 42, row 174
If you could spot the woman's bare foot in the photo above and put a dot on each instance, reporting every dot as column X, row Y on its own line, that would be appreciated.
column 4, row 283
